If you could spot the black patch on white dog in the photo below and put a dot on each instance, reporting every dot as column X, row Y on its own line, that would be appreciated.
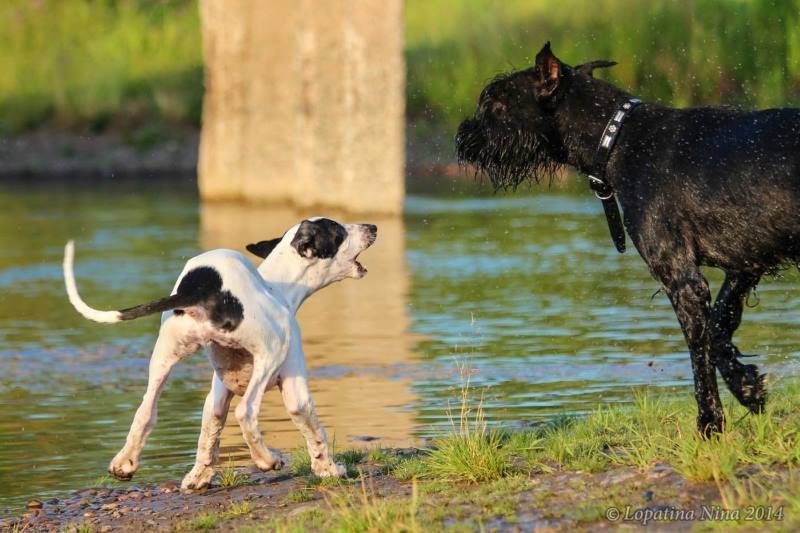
column 319, row 238
column 200, row 287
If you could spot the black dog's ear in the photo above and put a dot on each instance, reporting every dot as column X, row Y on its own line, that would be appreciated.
column 263, row 248
column 588, row 68
column 549, row 69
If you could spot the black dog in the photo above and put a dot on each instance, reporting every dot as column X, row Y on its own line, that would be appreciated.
column 703, row 186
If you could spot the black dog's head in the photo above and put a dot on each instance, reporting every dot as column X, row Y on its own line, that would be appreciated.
column 514, row 134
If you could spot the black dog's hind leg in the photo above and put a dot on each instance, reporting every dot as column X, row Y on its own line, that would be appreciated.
column 744, row 381
column 691, row 298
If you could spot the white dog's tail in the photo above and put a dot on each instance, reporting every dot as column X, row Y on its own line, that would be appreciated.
column 174, row 301
column 108, row 317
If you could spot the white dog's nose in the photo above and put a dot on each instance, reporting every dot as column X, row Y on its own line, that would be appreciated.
column 372, row 232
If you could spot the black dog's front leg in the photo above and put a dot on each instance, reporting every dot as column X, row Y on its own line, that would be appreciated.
column 691, row 298
column 744, row 381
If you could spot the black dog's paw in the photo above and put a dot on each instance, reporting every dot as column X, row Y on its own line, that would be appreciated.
column 710, row 422
column 752, row 392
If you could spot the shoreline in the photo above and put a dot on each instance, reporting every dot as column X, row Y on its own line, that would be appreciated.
column 617, row 467
column 53, row 154
column 554, row 499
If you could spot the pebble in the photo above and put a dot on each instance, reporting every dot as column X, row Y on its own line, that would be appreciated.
column 134, row 495
column 169, row 486
column 660, row 470
column 35, row 504
column 109, row 506
column 106, row 528
column 365, row 438
column 300, row 510
column 88, row 514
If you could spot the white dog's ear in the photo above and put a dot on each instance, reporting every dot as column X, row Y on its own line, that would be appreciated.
column 263, row 248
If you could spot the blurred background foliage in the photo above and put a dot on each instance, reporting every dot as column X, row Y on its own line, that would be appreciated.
column 97, row 64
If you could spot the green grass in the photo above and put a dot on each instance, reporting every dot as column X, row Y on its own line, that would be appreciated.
column 475, row 476
column 210, row 520
column 229, row 476
column 679, row 53
column 471, row 452
column 93, row 64
column 106, row 481
column 300, row 495
column 658, row 429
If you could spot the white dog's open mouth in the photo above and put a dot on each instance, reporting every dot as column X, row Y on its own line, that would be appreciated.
column 361, row 269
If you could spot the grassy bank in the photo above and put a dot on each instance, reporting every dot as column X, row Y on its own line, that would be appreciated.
column 93, row 64
column 569, row 474
column 476, row 475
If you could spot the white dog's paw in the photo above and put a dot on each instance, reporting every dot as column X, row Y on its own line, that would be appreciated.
column 123, row 466
column 328, row 469
column 272, row 460
column 198, row 478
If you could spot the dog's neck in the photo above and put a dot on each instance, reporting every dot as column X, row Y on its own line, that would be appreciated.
column 581, row 118
column 287, row 284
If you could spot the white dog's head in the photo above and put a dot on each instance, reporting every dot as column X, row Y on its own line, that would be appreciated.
column 316, row 252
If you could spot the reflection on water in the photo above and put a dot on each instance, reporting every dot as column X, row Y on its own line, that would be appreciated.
column 528, row 289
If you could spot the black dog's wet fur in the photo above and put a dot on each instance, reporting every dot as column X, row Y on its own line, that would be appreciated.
column 705, row 186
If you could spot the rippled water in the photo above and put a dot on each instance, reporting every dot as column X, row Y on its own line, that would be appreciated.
column 526, row 288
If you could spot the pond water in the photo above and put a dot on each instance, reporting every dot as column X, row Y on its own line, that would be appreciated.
column 526, row 288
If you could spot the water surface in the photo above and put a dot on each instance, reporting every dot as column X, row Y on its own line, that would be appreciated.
column 526, row 288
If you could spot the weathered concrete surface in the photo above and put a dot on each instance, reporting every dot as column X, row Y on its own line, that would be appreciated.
column 304, row 103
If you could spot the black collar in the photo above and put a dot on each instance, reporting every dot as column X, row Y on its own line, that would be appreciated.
column 597, row 181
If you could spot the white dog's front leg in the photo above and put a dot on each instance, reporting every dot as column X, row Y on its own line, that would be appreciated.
column 166, row 353
column 297, row 399
column 264, row 369
column 215, row 411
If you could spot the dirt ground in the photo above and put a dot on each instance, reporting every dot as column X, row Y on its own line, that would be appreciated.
column 554, row 501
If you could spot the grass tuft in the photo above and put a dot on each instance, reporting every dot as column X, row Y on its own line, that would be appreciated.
column 304, row 494
column 300, row 462
column 210, row 520
column 472, row 451
column 229, row 476
column 368, row 511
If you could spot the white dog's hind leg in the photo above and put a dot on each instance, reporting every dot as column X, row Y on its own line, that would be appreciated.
column 264, row 370
column 215, row 411
column 297, row 399
column 168, row 350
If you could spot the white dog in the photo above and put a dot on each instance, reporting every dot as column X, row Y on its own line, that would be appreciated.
column 247, row 318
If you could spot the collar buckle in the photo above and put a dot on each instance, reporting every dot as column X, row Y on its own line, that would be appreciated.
column 601, row 189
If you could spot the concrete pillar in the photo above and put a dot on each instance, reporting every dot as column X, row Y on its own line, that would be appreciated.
column 304, row 103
